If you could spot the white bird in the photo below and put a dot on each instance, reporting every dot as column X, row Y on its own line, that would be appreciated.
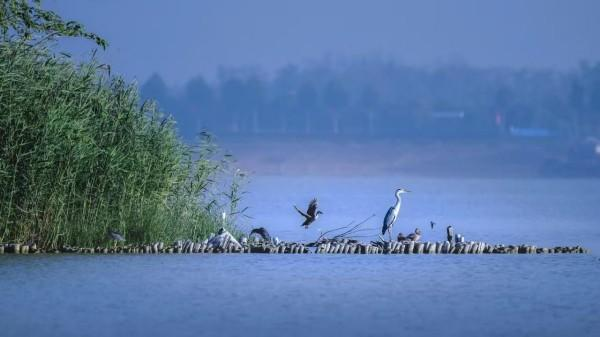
column 392, row 214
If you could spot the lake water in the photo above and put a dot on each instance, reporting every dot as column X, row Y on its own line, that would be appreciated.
column 358, row 295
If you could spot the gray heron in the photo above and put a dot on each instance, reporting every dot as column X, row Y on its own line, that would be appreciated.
column 115, row 236
column 311, row 214
column 416, row 236
column 262, row 232
column 392, row 214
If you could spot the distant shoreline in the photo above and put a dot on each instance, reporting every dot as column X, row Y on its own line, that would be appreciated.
column 460, row 159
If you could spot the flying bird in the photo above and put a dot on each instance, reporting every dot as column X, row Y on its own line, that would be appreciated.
column 431, row 223
column 416, row 236
column 262, row 232
column 311, row 215
column 392, row 214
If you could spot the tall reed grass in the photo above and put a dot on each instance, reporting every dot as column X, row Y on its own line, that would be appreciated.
column 80, row 154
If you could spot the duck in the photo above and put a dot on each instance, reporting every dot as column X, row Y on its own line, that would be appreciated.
column 416, row 236
column 401, row 237
column 311, row 215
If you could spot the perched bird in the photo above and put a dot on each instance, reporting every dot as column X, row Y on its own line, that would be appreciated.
column 450, row 233
column 416, row 236
column 401, row 237
column 311, row 214
column 115, row 236
column 459, row 238
column 262, row 232
column 431, row 223
column 392, row 214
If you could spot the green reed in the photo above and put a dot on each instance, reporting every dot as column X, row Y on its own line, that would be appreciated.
column 79, row 154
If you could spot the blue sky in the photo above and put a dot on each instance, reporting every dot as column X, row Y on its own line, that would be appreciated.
column 180, row 39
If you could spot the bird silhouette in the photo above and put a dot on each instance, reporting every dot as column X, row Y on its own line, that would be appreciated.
column 311, row 215
column 262, row 232
column 431, row 223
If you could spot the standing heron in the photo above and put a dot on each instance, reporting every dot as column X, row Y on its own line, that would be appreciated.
column 311, row 213
column 115, row 236
column 392, row 214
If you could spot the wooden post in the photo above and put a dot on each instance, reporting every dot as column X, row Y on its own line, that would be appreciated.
column 411, row 247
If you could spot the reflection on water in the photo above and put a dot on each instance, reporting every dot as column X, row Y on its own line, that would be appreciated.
column 358, row 295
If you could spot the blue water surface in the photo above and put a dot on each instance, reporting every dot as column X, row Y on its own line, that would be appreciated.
column 345, row 295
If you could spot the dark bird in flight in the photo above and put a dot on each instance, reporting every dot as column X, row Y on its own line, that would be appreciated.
column 416, row 236
column 431, row 223
column 262, row 232
column 311, row 214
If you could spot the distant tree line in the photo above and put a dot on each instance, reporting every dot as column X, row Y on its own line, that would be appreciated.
column 384, row 99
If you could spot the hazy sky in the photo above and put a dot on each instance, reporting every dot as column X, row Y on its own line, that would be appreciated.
column 179, row 39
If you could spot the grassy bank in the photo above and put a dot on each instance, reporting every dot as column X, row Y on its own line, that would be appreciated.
column 80, row 154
